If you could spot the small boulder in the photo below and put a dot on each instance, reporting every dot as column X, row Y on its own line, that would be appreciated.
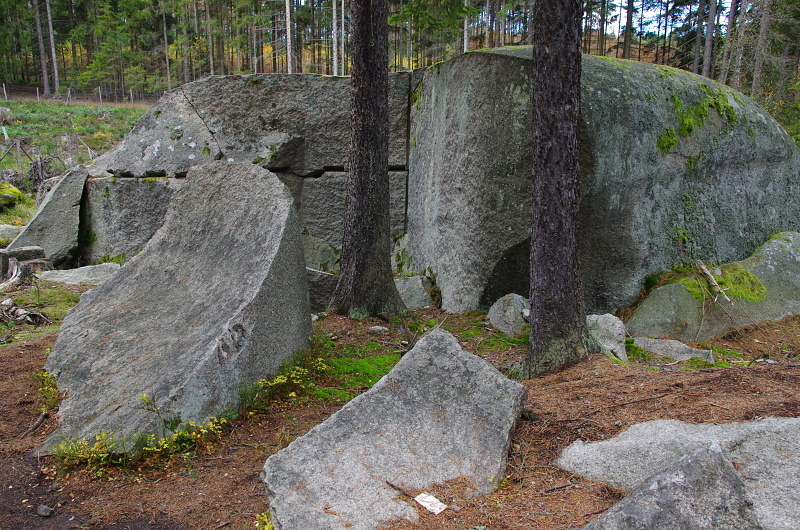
column 9, row 231
column 673, row 349
column 441, row 413
column 701, row 491
column 510, row 313
column 9, row 195
column 414, row 290
column 21, row 254
column 610, row 333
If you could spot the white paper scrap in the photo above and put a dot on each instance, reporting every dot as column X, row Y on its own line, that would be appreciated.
column 431, row 503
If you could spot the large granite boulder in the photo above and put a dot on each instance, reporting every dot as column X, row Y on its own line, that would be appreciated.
column 765, row 286
column 299, row 122
column 216, row 299
column 668, row 160
column 56, row 225
column 121, row 215
column 441, row 413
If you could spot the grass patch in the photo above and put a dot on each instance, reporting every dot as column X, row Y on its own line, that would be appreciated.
column 20, row 213
column 48, row 298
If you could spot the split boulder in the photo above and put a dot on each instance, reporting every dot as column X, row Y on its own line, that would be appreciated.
column 441, row 413
column 56, row 224
column 510, row 313
column 673, row 349
column 216, row 299
column 610, row 333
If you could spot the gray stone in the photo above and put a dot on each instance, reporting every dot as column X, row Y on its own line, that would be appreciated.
column 610, row 333
column 320, row 288
column 121, row 215
column 414, row 290
column 56, row 224
column 700, row 491
column 320, row 255
column 44, row 510
column 9, row 231
column 89, row 275
column 298, row 122
column 673, row 349
column 508, row 314
column 21, row 254
column 441, row 413
column 322, row 210
column 767, row 453
column 670, row 311
column 378, row 330
column 725, row 188
column 217, row 298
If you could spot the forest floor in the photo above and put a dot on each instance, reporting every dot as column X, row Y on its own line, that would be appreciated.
column 219, row 487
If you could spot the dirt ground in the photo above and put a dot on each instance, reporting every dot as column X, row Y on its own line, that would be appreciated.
column 593, row 400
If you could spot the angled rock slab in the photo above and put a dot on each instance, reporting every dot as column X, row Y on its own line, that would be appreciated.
column 414, row 290
column 767, row 454
column 700, row 491
column 320, row 288
column 217, row 298
column 441, row 413
column 56, row 224
column 673, row 349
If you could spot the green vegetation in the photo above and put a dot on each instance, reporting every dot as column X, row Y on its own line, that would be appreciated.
column 60, row 130
column 734, row 279
column 20, row 213
column 48, row 390
column 691, row 118
column 667, row 141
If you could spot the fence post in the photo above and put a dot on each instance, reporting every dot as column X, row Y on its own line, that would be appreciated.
column 131, row 91
column 100, row 91
column 37, row 95
column 5, row 94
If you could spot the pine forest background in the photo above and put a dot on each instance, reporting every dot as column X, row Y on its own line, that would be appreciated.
column 134, row 50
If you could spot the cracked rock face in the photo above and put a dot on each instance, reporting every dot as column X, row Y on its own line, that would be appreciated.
column 217, row 298
column 295, row 122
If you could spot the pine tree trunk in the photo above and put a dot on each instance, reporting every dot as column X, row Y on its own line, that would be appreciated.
column 366, row 286
column 761, row 47
column 52, row 44
column 558, row 330
column 729, row 38
column 42, row 52
column 711, row 27
column 738, row 47
column 626, row 53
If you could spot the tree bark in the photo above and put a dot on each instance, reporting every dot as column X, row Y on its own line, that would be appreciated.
column 626, row 52
column 42, row 52
column 289, row 39
column 729, row 38
column 366, row 286
column 761, row 46
column 52, row 44
column 738, row 47
column 558, row 334
column 711, row 27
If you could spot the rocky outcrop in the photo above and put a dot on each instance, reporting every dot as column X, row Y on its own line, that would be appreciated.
column 217, row 298
column 441, row 413
column 669, row 161
column 765, row 286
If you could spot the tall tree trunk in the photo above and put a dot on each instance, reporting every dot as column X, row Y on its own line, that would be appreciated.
column 739, row 46
column 52, row 44
column 558, row 323
column 209, row 37
column 465, row 46
column 365, row 286
column 42, row 51
column 711, row 27
column 761, row 47
column 166, row 47
column 335, row 41
column 729, row 38
column 601, row 39
column 626, row 52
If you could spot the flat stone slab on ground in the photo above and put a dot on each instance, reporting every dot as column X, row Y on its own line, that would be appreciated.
column 216, row 299
column 89, row 275
column 441, row 413
column 673, row 349
column 766, row 452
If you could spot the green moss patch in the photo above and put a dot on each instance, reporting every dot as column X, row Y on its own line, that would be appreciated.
column 692, row 117
column 734, row 279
